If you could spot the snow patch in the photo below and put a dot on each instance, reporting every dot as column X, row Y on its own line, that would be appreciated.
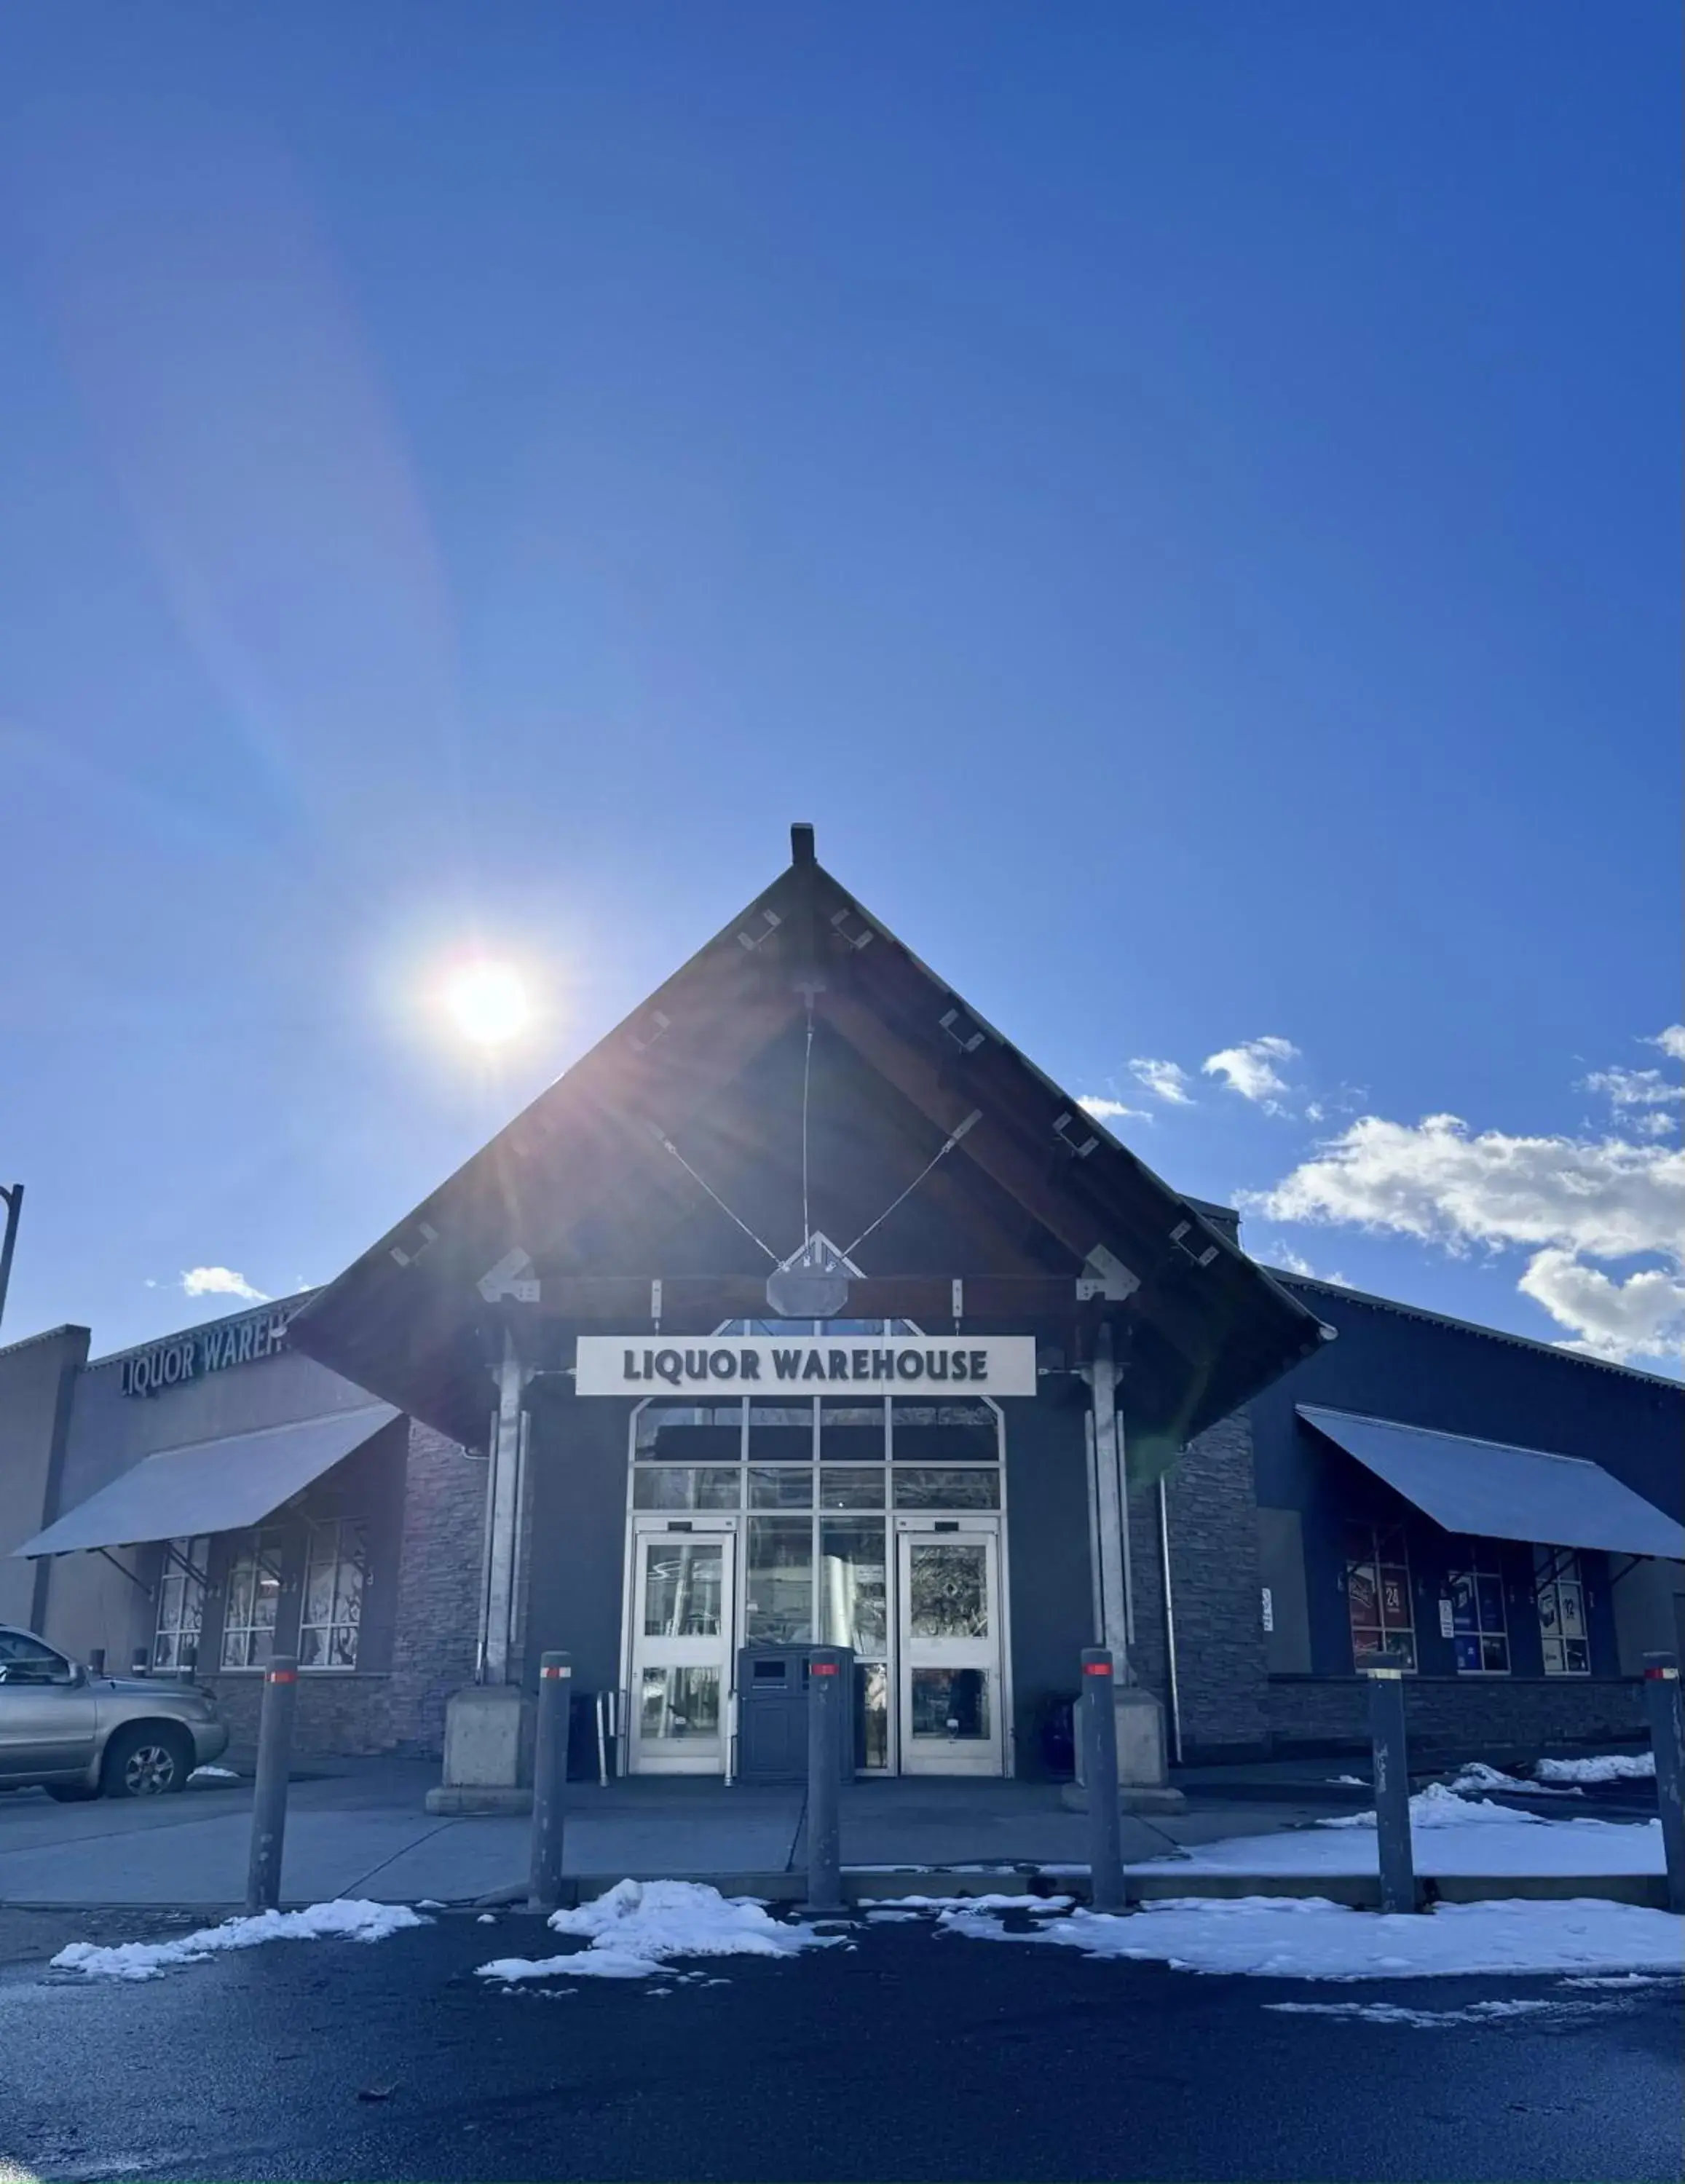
column 214, row 1774
column 1437, row 1807
column 346, row 1918
column 1476, row 1774
column 1393, row 2012
column 1309, row 1938
column 639, row 1926
column 1601, row 1767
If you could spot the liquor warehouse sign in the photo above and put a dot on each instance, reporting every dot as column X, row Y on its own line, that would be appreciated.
column 745, row 1364
column 206, row 1350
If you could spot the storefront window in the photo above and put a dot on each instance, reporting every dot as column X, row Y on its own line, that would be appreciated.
column 1562, row 1612
column 181, row 1603
column 336, row 1571
column 1479, row 1632
column 690, row 1433
column 680, row 1486
column 1378, row 1592
column 778, row 1610
column 254, row 1597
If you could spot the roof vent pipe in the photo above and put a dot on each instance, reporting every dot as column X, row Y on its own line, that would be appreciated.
column 801, row 843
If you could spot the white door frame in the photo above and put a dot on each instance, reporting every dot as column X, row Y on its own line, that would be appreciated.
column 713, row 1756
column 990, row 1756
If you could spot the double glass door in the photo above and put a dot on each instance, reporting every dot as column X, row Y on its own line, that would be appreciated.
column 935, row 1642
column 949, row 1619
column 682, row 1625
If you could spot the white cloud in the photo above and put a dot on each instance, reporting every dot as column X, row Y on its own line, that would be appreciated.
column 1250, row 1068
column 1111, row 1110
column 1568, row 1199
column 1291, row 1262
column 1642, row 1316
column 1634, row 1087
column 1671, row 1041
column 1654, row 1124
column 1165, row 1080
column 220, row 1281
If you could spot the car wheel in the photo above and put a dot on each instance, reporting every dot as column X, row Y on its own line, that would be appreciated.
column 144, row 1762
column 71, row 1793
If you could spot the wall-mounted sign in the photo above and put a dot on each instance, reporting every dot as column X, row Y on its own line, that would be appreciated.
column 808, row 1365
column 1447, row 1623
column 206, row 1349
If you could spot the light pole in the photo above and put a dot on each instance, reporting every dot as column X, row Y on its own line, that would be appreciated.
column 14, row 1196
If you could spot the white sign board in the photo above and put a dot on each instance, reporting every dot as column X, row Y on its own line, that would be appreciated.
column 722, row 1365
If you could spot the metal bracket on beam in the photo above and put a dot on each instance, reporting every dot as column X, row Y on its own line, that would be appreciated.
column 1179, row 1236
column 959, row 1304
column 655, row 1304
column 1105, row 1275
column 752, row 940
column 511, row 1277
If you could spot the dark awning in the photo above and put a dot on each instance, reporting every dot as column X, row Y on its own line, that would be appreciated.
column 211, row 1485
column 1493, row 1491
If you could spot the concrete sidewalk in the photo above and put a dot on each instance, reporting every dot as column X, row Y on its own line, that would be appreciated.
column 359, row 1829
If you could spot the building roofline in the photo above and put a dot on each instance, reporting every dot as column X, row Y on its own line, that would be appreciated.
column 1289, row 1281
column 47, row 1334
column 176, row 1334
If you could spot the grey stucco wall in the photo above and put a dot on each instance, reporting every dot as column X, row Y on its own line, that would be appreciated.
column 38, row 1384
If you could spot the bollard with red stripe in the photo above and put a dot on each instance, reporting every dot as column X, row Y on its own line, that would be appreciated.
column 269, row 1793
column 549, row 1779
column 1666, row 1715
column 1099, row 1731
column 825, row 1698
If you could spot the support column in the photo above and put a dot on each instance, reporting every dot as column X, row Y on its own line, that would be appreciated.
column 1143, row 1780
column 489, row 1728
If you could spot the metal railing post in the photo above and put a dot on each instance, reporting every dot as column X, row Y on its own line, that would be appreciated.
column 549, row 1779
column 1392, row 1769
column 268, row 1795
column 824, row 1779
column 1107, row 1890
column 1663, row 1704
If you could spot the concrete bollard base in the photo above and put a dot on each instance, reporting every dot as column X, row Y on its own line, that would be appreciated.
column 488, row 1737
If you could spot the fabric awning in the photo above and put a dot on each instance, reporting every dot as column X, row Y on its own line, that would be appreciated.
column 210, row 1485
column 1493, row 1491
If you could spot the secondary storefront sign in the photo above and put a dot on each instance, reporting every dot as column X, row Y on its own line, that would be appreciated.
column 744, row 1364
column 229, row 1342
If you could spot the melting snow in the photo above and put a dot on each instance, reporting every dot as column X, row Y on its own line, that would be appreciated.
column 1602, row 1767
column 345, row 1919
column 639, row 1925
column 1307, row 1937
column 1476, row 1774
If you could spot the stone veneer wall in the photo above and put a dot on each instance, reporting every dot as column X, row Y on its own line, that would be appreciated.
column 1480, row 1718
column 435, row 1618
column 1212, row 1504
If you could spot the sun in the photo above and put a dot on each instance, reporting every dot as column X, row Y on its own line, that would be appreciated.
column 488, row 1002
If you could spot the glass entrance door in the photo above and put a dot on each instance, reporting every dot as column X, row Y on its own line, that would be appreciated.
column 682, row 1625
column 950, row 1633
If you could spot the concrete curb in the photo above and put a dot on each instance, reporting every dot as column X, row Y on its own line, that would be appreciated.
column 1357, row 1892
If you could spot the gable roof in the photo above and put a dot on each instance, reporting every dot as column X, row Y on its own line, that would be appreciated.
column 1203, row 1328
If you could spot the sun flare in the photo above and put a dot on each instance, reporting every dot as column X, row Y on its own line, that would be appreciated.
column 488, row 1002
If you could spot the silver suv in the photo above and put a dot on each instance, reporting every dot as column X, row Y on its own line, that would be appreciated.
column 79, row 1736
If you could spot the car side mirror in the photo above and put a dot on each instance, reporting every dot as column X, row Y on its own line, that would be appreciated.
column 78, row 1675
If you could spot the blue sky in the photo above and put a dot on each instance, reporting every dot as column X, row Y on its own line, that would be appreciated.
column 1183, row 497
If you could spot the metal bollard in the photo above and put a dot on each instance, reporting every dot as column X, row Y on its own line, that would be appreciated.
column 549, row 1779
column 824, row 1779
column 268, row 1795
column 1663, row 1704
column 1385, row 1673
column 1107, row 1890
column 96, row 1661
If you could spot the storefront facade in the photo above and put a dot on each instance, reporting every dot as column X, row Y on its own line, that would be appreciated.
column 194, row 1506
column 804, row 1309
